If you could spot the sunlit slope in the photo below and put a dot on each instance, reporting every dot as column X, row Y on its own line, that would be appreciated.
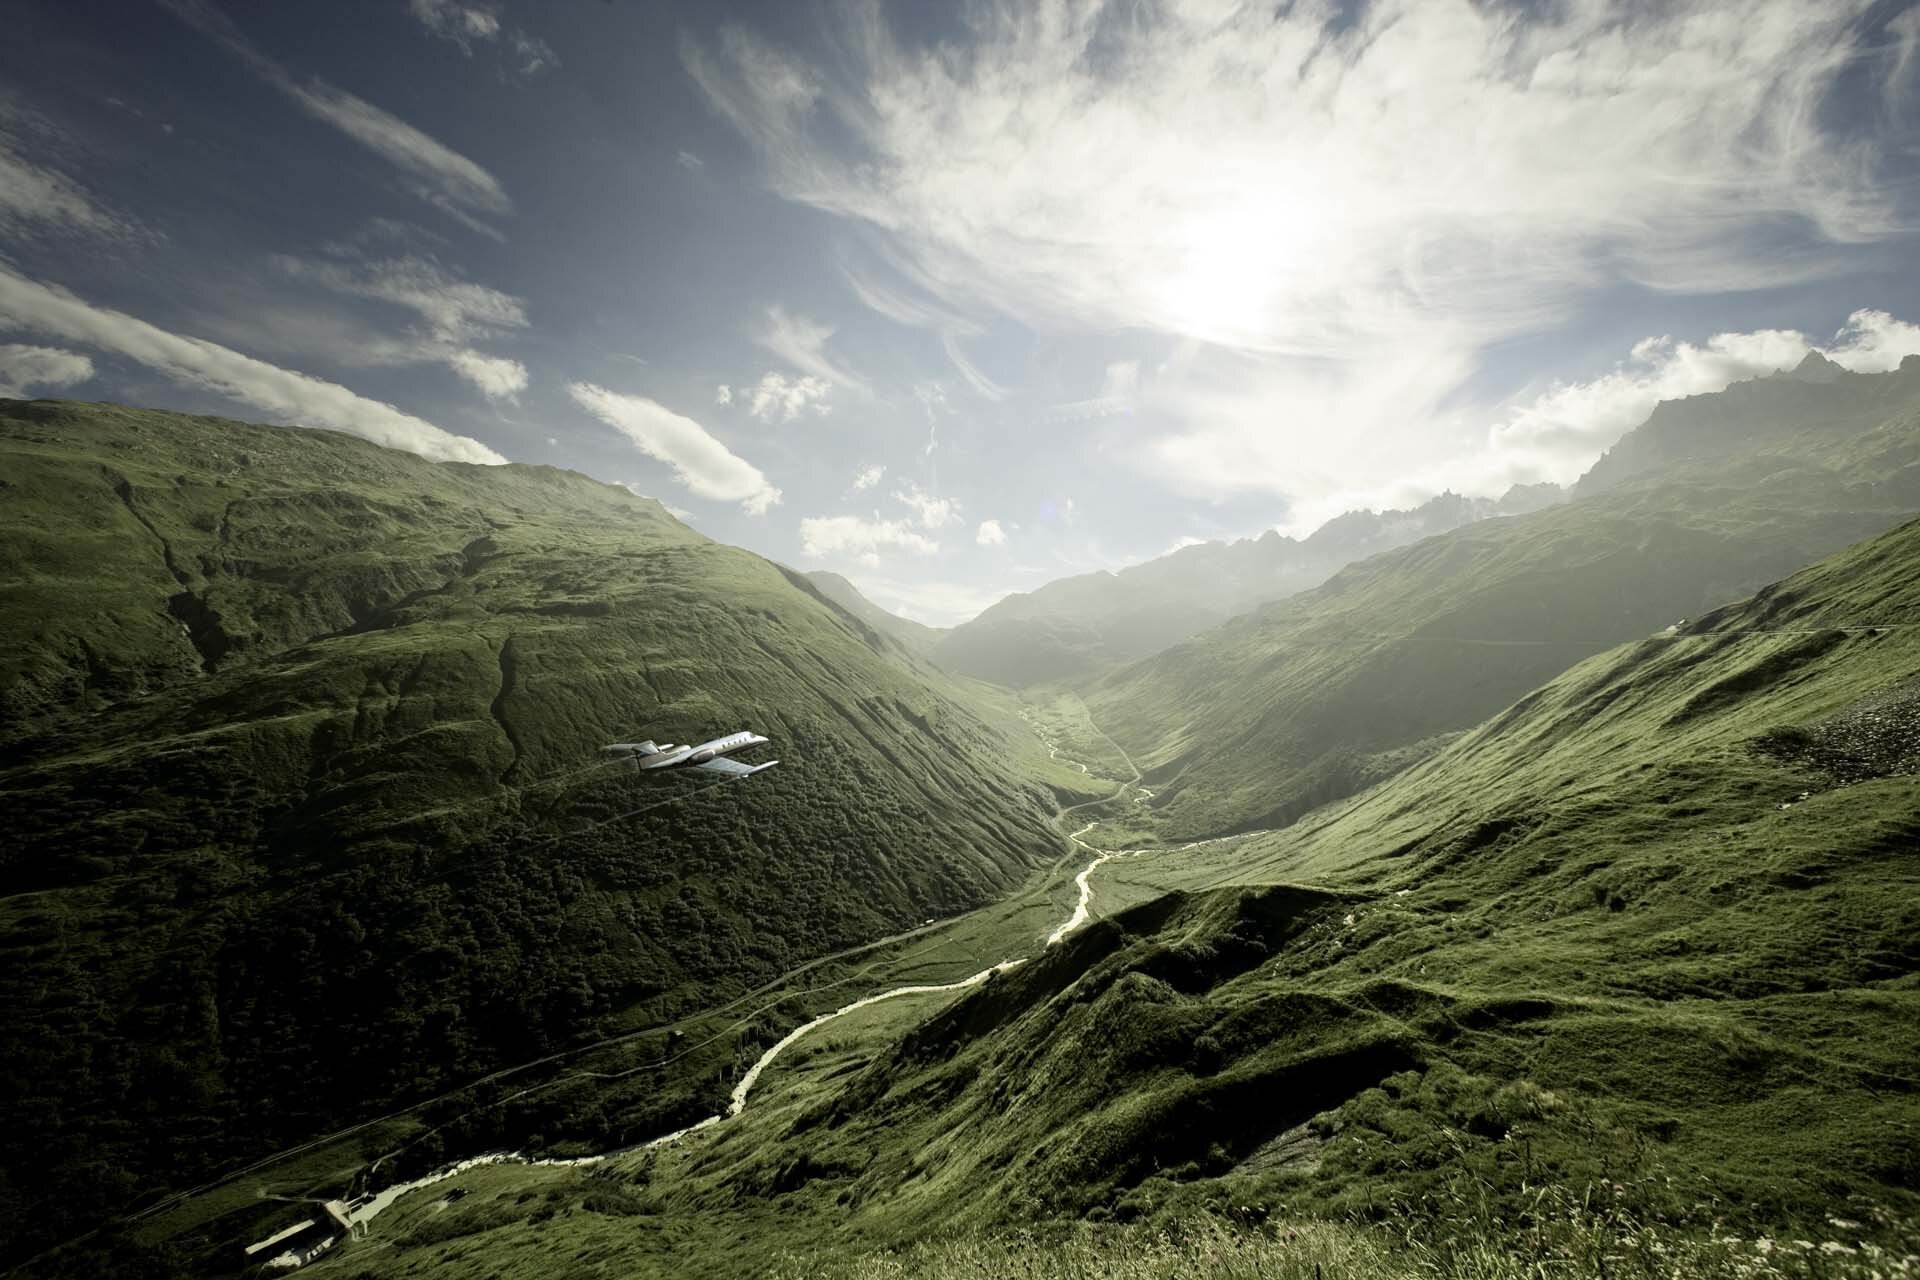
column 1653, row 926
column 1073, row 629
column 917, row 637
column 1253, row 723
column 298, row 727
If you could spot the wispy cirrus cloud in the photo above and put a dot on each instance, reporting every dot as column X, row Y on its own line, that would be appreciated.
column 467, row 23
column 1119, row 386
column 431, row 170
column 802, row 343
column 1330, row 210
column 454, row 313
column 461, row 23
column 983, row 386
column 1293, row 182
column 299, row 399
column 37, row 196
column 700, row 462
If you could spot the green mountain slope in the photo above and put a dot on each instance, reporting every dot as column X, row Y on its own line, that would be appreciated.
column 918, row 637
column 306, row 813
column 1648, row 934
column 1073, row 629
column 1253, row 723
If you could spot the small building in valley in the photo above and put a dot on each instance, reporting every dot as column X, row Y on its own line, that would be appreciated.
column 301, row 1242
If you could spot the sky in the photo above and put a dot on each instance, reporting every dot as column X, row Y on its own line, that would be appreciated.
column 958, row 298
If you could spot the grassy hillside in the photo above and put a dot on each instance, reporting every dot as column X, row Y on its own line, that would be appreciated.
column 918, row 637
column 1256, row 722
column 1621, row 982
column 306, row 812
column 1654, row 926
column 1075, row 628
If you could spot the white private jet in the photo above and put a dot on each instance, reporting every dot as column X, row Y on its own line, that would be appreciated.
column 707, row 755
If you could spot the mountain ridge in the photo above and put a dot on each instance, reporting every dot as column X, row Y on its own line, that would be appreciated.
column 358, row 826
column 1071, row 628
column 1297, row 702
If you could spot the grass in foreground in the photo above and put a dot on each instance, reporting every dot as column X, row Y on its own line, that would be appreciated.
column 1571, row 1237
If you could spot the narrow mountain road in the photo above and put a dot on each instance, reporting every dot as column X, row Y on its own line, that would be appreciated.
column 365, row 1209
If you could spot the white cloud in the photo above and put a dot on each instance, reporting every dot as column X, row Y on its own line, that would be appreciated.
column 460, row 23
column 933, row 400
column 929, row 511
column 1558, row 433
column 688, row 160
column 1873, row 341
column 1333, row 210
column 1570, row 424
column 1300, row 177
column 869, row 476
column 802, row 343
column 786, row 399
column 454, row 312
column 991, row 534
column 535, row 55
column 467, row 22
column 453, row 308
column 860, row 538
column 910, row 305
column 1905, row 30
column 699, row 461
column 35, row 197
column 1119, row 387
column 24, row 368
column 723, row 395
column 434, row 172
column 285, row 395
column 32, row 196
column 496, row 377
column 983, row 385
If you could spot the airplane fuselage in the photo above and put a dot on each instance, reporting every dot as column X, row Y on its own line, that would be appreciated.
column 650, row 755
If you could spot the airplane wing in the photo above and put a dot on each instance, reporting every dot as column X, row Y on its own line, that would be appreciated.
column 720, row 764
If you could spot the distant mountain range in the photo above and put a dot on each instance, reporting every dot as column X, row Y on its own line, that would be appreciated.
column 1314, row 697
column 918, row 637
column 1074, row 628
